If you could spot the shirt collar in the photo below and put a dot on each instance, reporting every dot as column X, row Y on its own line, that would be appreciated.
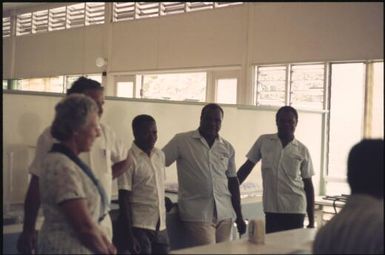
column 197, row 135
column 138, row 151
column 293, row 142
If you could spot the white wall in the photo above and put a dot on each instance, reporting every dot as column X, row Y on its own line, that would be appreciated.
column 26, row 116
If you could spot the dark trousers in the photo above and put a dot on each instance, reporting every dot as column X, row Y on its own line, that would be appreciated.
column 283, row 221
column 152, row 242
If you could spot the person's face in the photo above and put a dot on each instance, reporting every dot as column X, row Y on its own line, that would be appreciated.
column 86, row 136
column 146, row 136
column 286, row 123
column 211, row 122
column 98, row 96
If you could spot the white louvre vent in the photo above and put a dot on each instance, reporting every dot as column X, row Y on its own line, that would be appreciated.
column 6, row 27
column 95, row 13
column 197, row 6
column 57, row 18
column 172, row 8
column 24, row 24
column 123, row 11
column 146, row 9
column 75, row 15
column 40, row 21
column 138, row 10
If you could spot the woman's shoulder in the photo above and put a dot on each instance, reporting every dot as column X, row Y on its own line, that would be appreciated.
column 54, row 161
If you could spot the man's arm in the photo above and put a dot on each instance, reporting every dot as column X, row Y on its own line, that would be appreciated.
column 87, row 230
column 26, row 242
column 120, row 167
column 309, row 190
column 245, row 170
column 236, row 201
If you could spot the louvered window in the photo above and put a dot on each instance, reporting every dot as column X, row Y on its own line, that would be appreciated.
column 24, row 24
column 6, row 27
column 225, row 4
column 146, row 9
column 57, row 18
column 40, row 21
column 75, row 15
column 172, row 8
column 138, row 10
column 95, row 13
column 197, row 6
column 124, row 11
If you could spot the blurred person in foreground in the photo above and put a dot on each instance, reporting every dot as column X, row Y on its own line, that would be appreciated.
column 107, row 159
column 72, row 199
column 359, row 227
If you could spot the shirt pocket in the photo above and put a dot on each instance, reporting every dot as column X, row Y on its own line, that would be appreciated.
column 292, row 165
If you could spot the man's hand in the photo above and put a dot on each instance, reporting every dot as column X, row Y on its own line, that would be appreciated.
column 241, row 226
column 27, row 242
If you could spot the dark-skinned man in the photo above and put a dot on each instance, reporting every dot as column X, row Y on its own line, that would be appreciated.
column 288, row 192
column 208, row 188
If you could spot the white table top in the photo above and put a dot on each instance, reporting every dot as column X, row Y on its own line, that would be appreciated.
column 291, row 241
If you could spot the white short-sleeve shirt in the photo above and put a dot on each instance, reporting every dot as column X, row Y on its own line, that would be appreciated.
column 145, row 179
column 105, row 151
column 202, row 176
column 282, row 173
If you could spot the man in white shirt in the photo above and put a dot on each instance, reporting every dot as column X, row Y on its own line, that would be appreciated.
column 141, row 225
column 287, row 169
column 208, row 188
column 359, row 227
column 107, row 158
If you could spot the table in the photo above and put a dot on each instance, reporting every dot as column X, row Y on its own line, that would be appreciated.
column 296, row 241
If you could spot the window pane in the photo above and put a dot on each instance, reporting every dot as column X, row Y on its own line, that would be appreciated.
column 125, row 89
column 227, row 91
column 96, row 77
column 377, row 123
column 271, row 85
column 69, row 79
column 52, row 84
column 307, row 86
column 346, row 117
column 177, row 86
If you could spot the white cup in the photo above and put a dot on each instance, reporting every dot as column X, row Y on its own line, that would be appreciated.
column 256, row 231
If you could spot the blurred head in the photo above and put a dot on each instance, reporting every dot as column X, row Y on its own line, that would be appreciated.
column 145, row 132
column 76, row 118
column 366, row 168
column 211, row 120
column 90, row 88
column 286, row 119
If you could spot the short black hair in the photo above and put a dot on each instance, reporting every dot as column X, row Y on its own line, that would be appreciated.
column 366, row 167
column 140, row 120
column 211, row 106
column 83, row 84
column 286, row 108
